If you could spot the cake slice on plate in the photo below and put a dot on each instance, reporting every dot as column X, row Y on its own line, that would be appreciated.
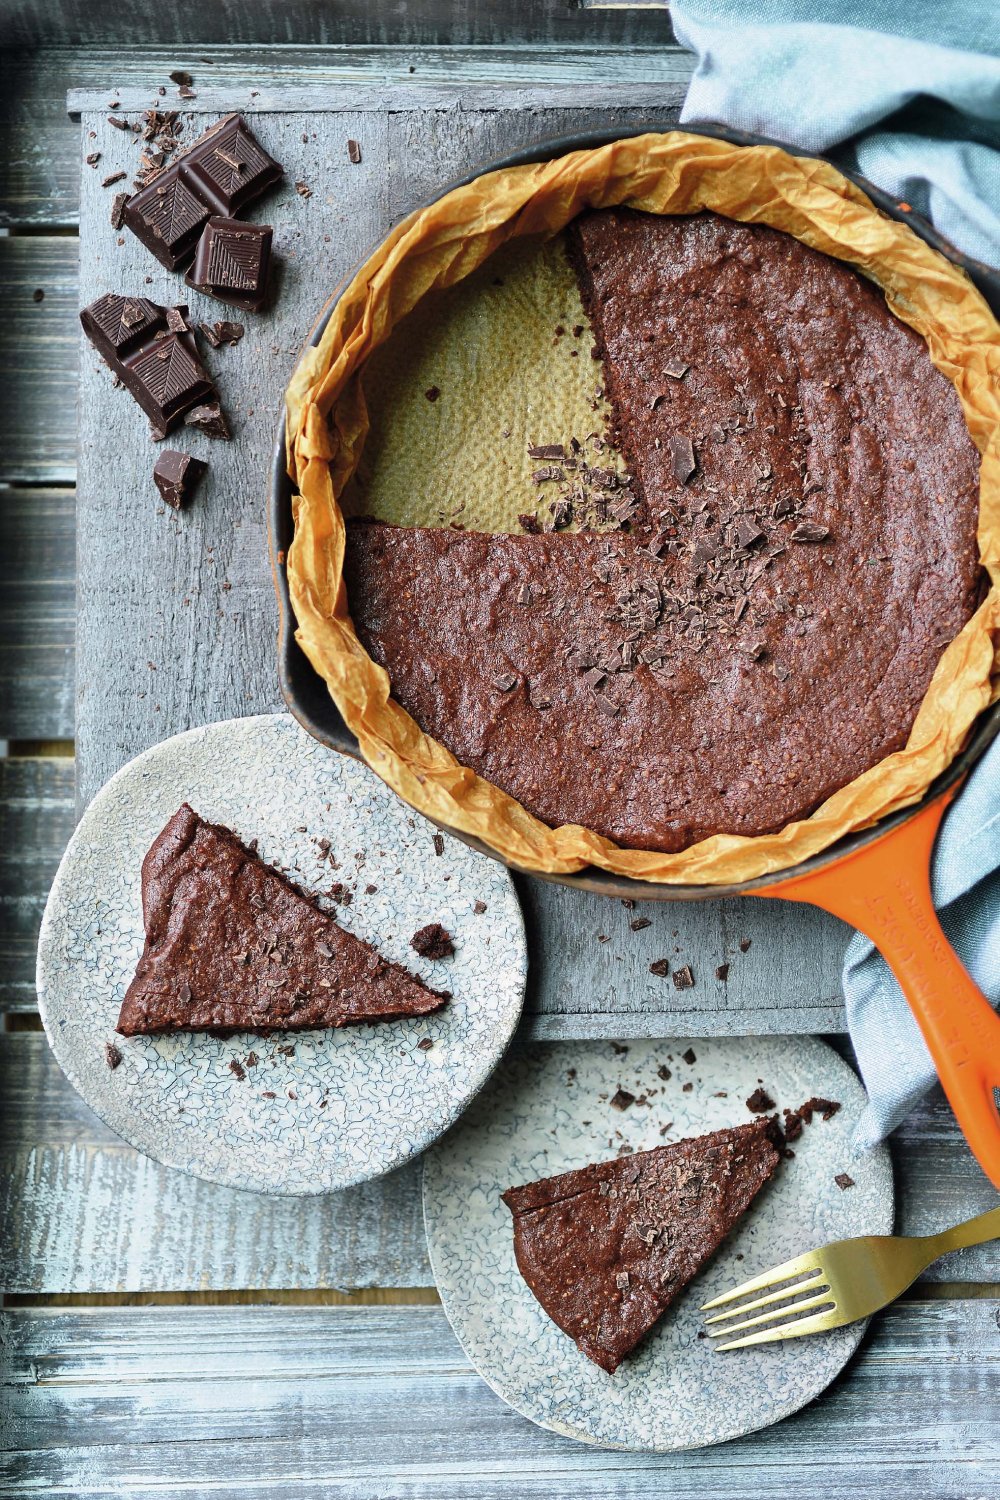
column 231, row 945
column 608, row 1247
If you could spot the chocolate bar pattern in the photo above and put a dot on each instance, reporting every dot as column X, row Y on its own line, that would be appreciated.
column 232, row 262
column 153, row 354
column 220, row 174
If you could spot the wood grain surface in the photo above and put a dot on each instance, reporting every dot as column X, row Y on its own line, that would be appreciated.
column 92, row 1214
column 37, row 614
column 377, row 1402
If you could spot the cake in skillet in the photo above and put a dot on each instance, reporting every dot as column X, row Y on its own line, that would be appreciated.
column 231, row 945
column 792, row 548
column 607, row 1248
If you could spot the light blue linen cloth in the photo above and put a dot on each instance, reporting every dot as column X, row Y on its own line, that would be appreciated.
column 909, row 94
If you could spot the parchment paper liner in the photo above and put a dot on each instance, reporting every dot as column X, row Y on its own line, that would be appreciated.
column 438, row 246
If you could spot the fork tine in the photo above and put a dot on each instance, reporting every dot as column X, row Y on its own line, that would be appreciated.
column 768, row 1279
column 818, row 1323
column 787, row 1314
column 778, row 1296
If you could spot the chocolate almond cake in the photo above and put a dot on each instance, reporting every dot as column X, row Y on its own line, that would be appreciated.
column 607, row 1248
column 232, row 945
column 757, row 617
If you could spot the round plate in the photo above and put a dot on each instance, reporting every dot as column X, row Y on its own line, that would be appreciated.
column 318, row 1109
column 548, row 1111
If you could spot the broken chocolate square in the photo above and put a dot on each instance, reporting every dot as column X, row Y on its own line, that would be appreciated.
column 176, row 475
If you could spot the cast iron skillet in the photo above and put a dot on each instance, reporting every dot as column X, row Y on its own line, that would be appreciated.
column 877, row 880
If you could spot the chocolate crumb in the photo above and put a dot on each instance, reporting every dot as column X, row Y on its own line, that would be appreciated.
column 664, row 1073
column 432, row 392
column 684, row 460
column 438, row 842
column 425, row 1043
column 638, row 923
column 111, row 179
column 223, row 332
column 689, row 1057
column 661, row 968
column 530, row 523
column 683, row 978
column 722, row 972
column 303, row 189
column 112, row 1055
column 505, row 681
column 825, row 1108
column 810, row 531
column 181, row 78
column 353, row 152
column 843, row 1181
column 236, row 1068
column 745, row 945
column 676, row 369
column 210, row 419
column 793, row 1124
column 622, row 1099
column 479, row 907
column 686, row 1088
column 118, row 210
column 432, row 941
column 760, row 1102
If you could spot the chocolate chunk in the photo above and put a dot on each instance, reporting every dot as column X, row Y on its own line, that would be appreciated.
column 38, row 295
column 683, row 455
column 118, row 123
column 353, row 152
column 827, row 1108
column 232, row 262
column 683, row 978
column 722, row 972
column 745, row 944
column 479, row 907
column 810, row 531
column 432, row 941
column 425, row 1043
column 237, row 1069
column 504, row 681
column 177, row 319
column 210, row 419
column 93, row 158
column 112, row 1055
column 606, row 706
column 303, row 189
column 186, row 91
column 689, row 1056
column 638, row 923
column 664, row 1073
column 549, row 472
column 432, row 392
column 675, row 368
column 745, row 533
column 546, row 450
column 661, row 968
column 118, row 210
column 843, row 1181
column 220, row 174
column 179, row 76
column 530, row 523
column 622, row 1099
column 222, row 332
column 793, row 1124
column 176, row 476
column 760, row 1102
column 159, row 367
column 438, row 842
column 112, row 178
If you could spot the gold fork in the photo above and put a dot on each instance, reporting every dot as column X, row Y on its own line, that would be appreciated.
column 840, row 1283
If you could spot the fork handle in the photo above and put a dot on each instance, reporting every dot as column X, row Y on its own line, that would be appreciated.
column 972, row 1232
column 884, row 889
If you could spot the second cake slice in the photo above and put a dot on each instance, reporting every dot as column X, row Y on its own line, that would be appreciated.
column 231, row 945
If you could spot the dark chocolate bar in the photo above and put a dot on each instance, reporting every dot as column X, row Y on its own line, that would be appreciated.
column 153, row 353
column 232, row 262
column 220, row 174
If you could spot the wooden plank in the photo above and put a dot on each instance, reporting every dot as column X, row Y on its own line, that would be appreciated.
column 39, row 144
column 369, row 1402
column 37, row 614
column 418, row 23
column 37, row 812
column 89, row 1214
column 195, row 627
column 38, row 417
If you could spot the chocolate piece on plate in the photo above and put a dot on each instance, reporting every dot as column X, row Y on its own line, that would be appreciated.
column 607, row 1248
column 232, row 945
column 232, row 262
column 220, row 174
column 158, row 365
column 176, row 475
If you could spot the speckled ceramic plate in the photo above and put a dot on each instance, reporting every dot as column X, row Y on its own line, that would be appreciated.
column 292, row 1113
column 547, row 1111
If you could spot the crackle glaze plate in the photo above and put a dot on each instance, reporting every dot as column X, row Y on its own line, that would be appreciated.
column 303, row 1112
column 548, row 1110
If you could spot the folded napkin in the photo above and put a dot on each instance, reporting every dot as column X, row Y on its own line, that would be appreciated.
column 905, row 91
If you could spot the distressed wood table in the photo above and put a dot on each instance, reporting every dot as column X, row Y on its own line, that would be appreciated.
column 161, row 1335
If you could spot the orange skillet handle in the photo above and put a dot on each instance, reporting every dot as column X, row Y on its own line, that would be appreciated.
column 884, row 889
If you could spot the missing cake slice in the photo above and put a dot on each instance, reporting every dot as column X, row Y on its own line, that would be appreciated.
column 231, row 945
column 607, row 1248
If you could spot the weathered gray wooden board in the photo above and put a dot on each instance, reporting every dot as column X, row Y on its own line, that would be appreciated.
column 377, row 1402
column 39, row 144
column 37, row 613
column 38, row 413
column 198, row 644
column 87, row 1213
column 36, row 819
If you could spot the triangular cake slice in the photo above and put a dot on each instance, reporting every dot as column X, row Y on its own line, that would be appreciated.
column 231, row 945
column 607, row 1248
